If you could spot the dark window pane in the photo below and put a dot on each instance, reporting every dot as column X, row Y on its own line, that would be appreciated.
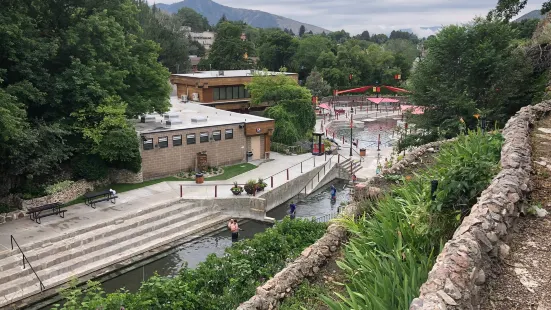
column 235, row 92
column 177, row 140
column 229, row 94
column 222, row 93
column 163, row 142
column 217, row 135
column 216, row 93
column 148, row 144
column 191, row 138
column 241, row 91
column 247, row 93
column 229, row 134
column 204, row 137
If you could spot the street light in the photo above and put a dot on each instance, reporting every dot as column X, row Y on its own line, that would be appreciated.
column 351, row 111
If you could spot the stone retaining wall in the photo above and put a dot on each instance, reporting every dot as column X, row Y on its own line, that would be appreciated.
column 413, row 156
column 460, row 270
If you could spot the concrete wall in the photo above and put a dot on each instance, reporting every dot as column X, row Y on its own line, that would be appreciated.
column 238, row 207
column 288, row 190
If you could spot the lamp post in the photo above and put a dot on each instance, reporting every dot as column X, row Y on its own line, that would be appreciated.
column 351, row 110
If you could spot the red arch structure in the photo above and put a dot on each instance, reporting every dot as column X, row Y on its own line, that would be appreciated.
column 363, row 89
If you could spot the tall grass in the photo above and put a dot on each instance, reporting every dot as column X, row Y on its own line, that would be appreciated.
column 393, row 248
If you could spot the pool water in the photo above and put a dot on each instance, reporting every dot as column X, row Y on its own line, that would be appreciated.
column 368, row 135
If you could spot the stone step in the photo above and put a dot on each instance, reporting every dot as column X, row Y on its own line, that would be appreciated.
column 32, row 287
column 113, row 252
column 117, row 226
column 79, row 246
column 29, row 246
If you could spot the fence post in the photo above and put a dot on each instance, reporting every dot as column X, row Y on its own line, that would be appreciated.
column 314, row 161
column 323, row 170
column 272, row 181
column 300, row 167
column 351, row 162
column 318, row 177
column 342, row 139
column 325, row 156
column 338, row 158
column 287, row 174
column 181, row 191
column 215, row 191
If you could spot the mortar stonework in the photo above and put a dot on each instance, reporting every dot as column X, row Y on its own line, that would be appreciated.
column 461, row 268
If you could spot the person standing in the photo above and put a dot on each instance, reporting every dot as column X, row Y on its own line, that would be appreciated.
column 234, row 228
column 333, row 192
column 292, row 210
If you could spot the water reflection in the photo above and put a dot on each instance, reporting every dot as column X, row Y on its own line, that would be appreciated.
column 368, row 135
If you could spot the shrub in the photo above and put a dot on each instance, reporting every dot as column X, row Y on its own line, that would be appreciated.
column 89, row 167
column 121, row 148
column 217, row 283
column 393, row 248
column 57, row 187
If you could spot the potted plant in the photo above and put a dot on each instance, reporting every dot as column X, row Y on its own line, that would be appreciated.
column 236, row 189
column 260, row 185
column 250, row 187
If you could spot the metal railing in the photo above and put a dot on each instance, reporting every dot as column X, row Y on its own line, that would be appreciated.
column 12, row 240
column 327, row 217
column 325, row 170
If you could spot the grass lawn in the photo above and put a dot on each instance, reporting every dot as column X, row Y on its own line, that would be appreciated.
column 229, row 172
column 232, row 171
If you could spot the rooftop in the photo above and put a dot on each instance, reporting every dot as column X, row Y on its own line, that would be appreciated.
column 229, row 73
column 205, row 117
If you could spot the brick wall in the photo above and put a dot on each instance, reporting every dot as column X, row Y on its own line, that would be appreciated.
column 160, row 162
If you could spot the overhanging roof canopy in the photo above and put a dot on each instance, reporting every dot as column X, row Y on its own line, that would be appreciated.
column 363, row 89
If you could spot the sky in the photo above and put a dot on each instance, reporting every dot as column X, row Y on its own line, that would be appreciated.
column 376, row 16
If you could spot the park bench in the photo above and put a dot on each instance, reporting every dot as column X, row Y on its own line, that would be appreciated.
column 36, row 213
column 92, row 198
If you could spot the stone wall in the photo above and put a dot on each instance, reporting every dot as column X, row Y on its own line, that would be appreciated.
column 460, row 270
column 413, row 155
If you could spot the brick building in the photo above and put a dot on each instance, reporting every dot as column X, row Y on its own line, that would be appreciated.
column 171, row 143
column 221, row 89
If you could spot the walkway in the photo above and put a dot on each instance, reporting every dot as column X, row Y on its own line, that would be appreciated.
column 524, row 276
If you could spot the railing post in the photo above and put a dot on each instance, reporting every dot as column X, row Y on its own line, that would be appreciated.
column 300, row 167
column 351, row 162
column 287, row 174
column 318, row 177
column 272, row 181
column 323, row 170
column 325, row 156
column 215, row 191
column 339, row 159
column 181, row 191
column 314, row 161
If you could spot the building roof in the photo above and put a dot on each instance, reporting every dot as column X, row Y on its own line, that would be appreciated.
column 228, row 73
column 194, row 60
column 187, row 111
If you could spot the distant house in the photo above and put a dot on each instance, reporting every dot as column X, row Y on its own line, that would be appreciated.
column 223, row 90
column 205, row 38
column 194, row 60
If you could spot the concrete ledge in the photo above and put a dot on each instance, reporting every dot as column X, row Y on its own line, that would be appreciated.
column 460, row 270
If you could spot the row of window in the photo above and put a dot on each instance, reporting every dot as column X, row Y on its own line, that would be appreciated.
column 190, row 139
column 230, row 92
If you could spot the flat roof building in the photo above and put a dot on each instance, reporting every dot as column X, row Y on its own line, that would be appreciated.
column 172, row 142
column 224, row 89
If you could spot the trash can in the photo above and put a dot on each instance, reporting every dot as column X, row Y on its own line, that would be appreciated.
column 249, row 154
column 362, row 152
column 199, row 178
column 267, row 155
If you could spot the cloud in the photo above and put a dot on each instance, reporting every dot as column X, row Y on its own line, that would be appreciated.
column 376, row 16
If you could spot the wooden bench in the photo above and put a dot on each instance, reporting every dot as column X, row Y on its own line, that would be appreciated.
column 92, row 198
column 36, row 214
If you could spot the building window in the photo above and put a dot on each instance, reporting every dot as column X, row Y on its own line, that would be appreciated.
column 229, row 134
column 241, row 91
column 216, row 93
column 222, row 93
column 204, row 137
column 217, row 135
column 177, row 140
column 229, row 93
column 191, row 138
column 247, row 95
column 148, row 144
column 235, row 92
column 163, row 142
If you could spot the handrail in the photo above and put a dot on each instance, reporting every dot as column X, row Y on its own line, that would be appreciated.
column 311, row 180
column 312, row 157
column 12, row 239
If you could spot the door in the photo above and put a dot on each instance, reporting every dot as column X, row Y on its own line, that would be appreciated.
column 255, row 147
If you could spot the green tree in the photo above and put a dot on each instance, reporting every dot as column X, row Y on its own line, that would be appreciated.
column 525, row 28
column 228, row 51
column 339, row 36
column 188, row 17
column 301, row 31
column 277, row 49
column 291, row 105
column 317, row 85
column 379, row 38
column 472, row 69
column 308, row 52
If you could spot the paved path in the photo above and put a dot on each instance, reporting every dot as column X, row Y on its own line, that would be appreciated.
column 80, row 215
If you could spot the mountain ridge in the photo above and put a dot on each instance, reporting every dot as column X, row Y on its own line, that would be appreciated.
column 214, row 11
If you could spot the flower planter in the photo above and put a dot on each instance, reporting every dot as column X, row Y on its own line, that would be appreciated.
column 199, row 178
column 237, row 191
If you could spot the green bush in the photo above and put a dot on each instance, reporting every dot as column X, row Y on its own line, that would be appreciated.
column 89, row 167
column 57, row 187
column 121, row 149
column 218, row 283
column 393, row 248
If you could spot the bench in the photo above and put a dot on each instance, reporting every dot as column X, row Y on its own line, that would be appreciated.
column 92, row 198
column 36, row 214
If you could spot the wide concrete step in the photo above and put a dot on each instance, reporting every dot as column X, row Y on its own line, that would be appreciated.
column 44, row 242
column 79, row 246
column 114, row 251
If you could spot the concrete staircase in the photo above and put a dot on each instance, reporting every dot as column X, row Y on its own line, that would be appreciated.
column 350, row 164
column 90, row 249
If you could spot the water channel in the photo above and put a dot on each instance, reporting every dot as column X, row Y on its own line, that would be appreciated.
column 315, row 205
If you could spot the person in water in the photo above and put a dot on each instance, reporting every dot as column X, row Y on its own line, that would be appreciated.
column 234, row 228
column 292, row 210
column 333, row 192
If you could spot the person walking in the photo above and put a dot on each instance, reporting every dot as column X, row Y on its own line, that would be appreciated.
column 333, row 192
column 234, row 228
column 292, row 210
